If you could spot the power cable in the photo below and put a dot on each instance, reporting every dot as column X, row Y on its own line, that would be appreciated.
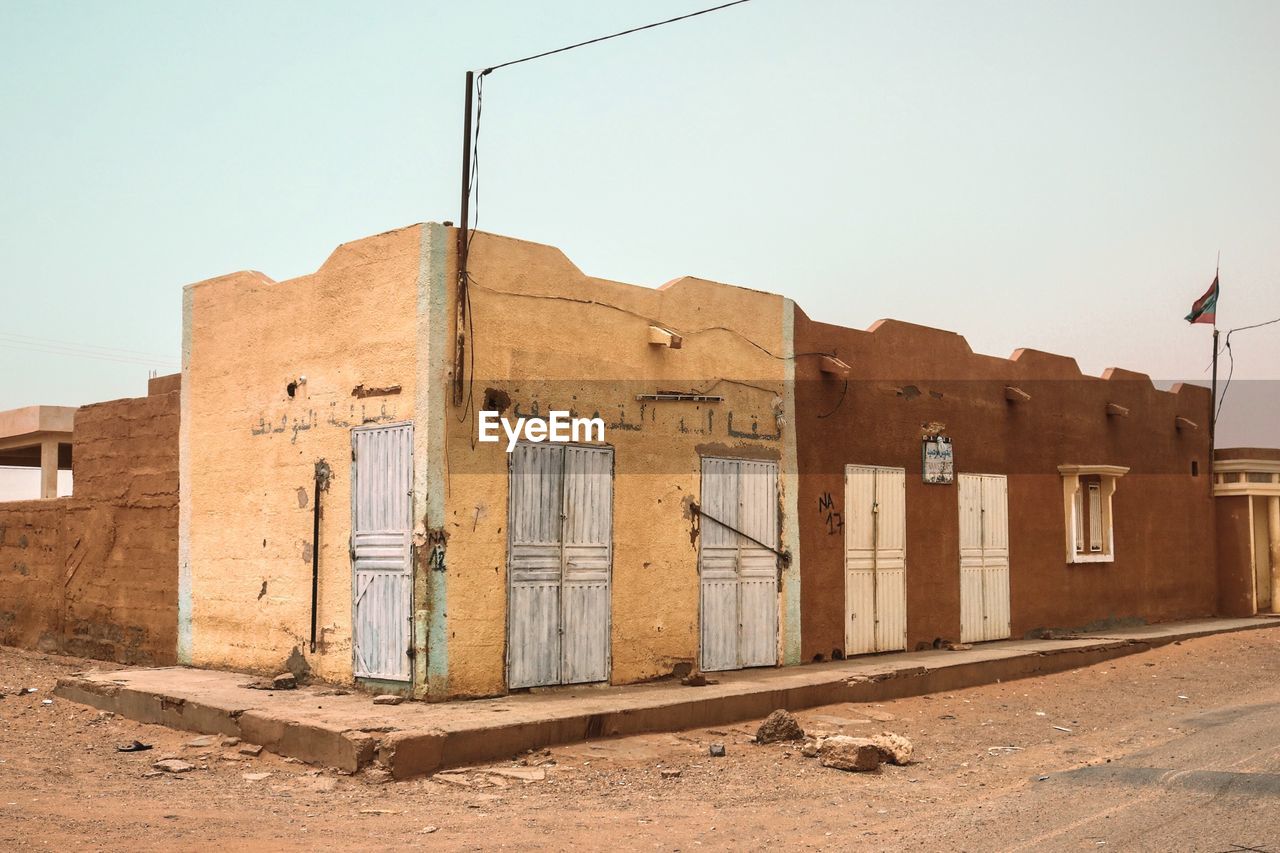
column 1231, row 360
column 473, row 180
column 14, row 338
column 493, row 68
column 76, row 353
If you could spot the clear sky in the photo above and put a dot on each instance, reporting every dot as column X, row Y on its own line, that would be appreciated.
column 1058, row 175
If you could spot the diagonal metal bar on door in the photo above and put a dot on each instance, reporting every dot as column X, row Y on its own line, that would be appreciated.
column 784, row 556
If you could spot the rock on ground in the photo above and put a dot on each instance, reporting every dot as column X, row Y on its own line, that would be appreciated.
column 778, row 726
column 174, row 765
column 894, row 749
column 849, row 753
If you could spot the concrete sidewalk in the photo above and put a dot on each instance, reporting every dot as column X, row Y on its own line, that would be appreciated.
column 349, row 732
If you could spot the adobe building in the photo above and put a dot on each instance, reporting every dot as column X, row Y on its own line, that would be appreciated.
column 447, row 566
column 947, row 495
column 769, row 490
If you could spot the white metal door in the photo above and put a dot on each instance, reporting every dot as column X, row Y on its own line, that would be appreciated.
column 984, row 557
column 875, row 559
column 381, row 521
column 737, row 564
column 561, row 532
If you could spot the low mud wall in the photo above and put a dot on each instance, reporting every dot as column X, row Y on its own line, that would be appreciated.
column 96, row 574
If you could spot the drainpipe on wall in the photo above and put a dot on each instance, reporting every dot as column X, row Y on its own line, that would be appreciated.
column 321, row 484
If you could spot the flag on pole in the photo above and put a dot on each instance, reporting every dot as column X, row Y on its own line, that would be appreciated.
column 1205, row 309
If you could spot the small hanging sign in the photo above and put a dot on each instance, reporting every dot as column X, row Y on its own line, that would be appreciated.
column 939, row 464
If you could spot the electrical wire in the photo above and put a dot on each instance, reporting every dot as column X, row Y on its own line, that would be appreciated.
column 493, row 68
column 583, row 301
column 473, row 181
column 1231, row 360
column 28, row 344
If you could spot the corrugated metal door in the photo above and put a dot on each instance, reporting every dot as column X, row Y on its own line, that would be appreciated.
column 536, row 504
column 561, row 531
column 718, row 565
column 757, row 565
column 381, row 521
column 984, row 557
column 875, row 559
column 588, row 538
column 739, row 576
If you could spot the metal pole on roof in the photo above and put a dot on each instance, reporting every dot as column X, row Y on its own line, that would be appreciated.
column 460, row 344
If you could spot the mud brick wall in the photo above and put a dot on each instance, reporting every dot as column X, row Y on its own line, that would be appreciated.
column 31, row 551
column 95, row 574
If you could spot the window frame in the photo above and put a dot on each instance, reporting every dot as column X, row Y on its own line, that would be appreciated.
column 1096, row 544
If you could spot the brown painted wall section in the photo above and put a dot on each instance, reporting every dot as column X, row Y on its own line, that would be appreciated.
column 1235, row 557
column 904, row 377
column 95, row 574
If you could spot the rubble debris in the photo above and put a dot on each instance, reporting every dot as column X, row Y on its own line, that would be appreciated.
column 377, row 775
column 671, row 774
column 254, row 777
column 25, row 690
column 855, row 754
column 202, row 742
column 536, row 758
column 694, row 679
column 388, row 699
column 717, row 750
column 284, row 681
column 231, row 741
column 136, row 746
column 781, row 725
column 174, row 765
column 250, row 749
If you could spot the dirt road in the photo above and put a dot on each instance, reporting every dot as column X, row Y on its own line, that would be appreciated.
column 1178, row 748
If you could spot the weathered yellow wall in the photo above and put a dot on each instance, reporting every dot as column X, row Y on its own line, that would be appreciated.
column 249, row 451
column 548, row 335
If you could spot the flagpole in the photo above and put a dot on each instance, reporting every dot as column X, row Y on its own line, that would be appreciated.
column 1213, row 412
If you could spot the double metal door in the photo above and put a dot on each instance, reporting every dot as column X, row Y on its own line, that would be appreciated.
column 875, row 559
column 984, row 557
column 381, row 524
column 560, row 557
column 738, row 564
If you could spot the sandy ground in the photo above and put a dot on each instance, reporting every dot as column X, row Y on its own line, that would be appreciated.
column 1033, row 764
